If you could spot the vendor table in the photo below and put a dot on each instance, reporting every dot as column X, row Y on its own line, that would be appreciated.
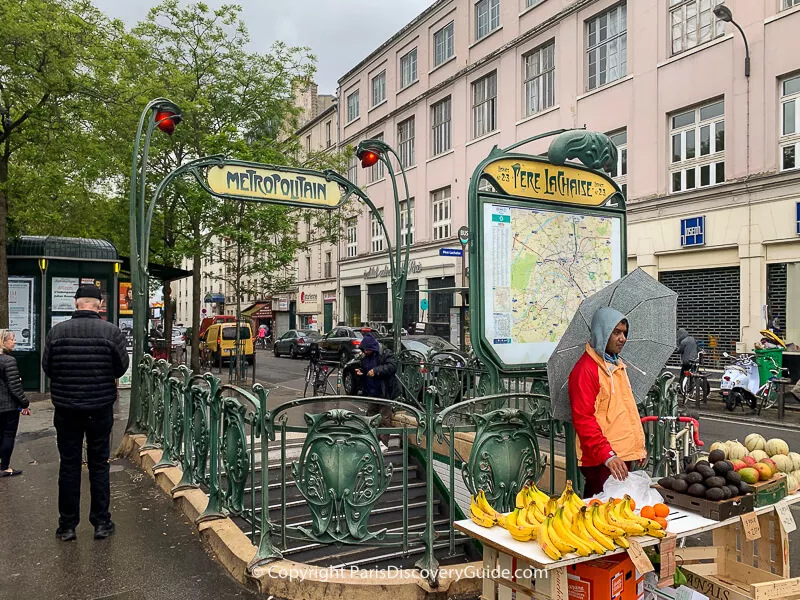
column 501, row 552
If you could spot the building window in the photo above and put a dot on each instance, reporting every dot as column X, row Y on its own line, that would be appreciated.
column 408, row 68
column 441, row 213
column 484, row 105
column 539, row 76
column 376, row 171
column 442, row 139
column 619, row 171
column 377, row 231
column 607, row 47
column 693, row 23
column 296, row 270
column 308, row 144
column 352, row 238
column 487, row 17
column 379, row 88
column 697, row 147
column 443, row 46
column 529, row 3
column 407, row 223
column 308, row 268
column 352, row 106
column 790, row 123
column 789, row 4
column 328, row 138
column 352, row 169
column 405, row 142
column 328, row 268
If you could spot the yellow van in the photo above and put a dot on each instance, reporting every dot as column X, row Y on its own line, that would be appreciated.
column 220, row 339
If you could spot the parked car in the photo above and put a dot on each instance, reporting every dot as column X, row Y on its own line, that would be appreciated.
column 431, row 347
column 340, row 344
column 220, row 339
column 296, row 342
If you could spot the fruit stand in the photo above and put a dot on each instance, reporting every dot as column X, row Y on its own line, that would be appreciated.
column 761, row 564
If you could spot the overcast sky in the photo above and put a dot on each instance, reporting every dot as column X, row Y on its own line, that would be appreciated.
column 339, row 32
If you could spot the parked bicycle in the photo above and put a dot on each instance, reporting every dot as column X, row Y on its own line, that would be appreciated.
column 683, row 445
column 694, row 387
column 318, row 377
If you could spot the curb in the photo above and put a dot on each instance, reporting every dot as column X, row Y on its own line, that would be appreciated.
column 285, row 579
column 749, row 420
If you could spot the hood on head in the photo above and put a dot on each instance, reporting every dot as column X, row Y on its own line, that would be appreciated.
column 369, row 343
column 681, row 335
column 603, row 323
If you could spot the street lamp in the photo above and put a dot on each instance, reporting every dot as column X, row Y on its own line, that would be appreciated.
column 723, row 13
column 165, row 115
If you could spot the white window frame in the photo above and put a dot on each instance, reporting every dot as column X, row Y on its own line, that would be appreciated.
column 790, row 141
column 484, row 105
column 352, row 169
column 328, row 136
column 442, row 216
column 352, row 106
column 308, row 268
column 379, row 88
column 691, row 20
column 377, row 237
column 378, row 170
column 539, row 78
column 607, row 43
column 444, row 47
column 406, row 226
column 328, row 265
column 352, row 238
column 408, row 68
column 619, row 172
column 529, row 3
column 405, row 142
column 442, row 119
column 688, row 171
column 487, row 17
column 787, row 4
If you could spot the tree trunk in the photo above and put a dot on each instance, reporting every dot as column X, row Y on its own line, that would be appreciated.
column 3, row 237
column 197, row 300
column 167, row 293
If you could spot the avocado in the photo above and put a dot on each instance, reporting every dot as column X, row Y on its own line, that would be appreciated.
column 701, row 463
column 734, row 490
column 715, row 494
column 698, row 490
column 744, row 488
column 706, row 472
column 666, row 482
column 721, row 467
column 681, row 476
column 689, row 469
column 726, row 491
column 680, row 486
column 695, row 477
column 714, row 482
column 733, row 477
column 716, row 456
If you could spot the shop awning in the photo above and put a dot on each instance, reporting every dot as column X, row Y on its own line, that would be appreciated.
column 251, row 310
column 218, row 298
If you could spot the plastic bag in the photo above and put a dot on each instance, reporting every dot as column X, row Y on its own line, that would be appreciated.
column 637, row 486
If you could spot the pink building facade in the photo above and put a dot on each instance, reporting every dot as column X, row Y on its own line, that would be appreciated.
column 708, row 157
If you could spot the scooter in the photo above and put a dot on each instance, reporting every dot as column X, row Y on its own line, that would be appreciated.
column 740, row 383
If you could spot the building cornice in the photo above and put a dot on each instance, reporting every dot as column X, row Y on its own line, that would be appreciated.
column 319, row 118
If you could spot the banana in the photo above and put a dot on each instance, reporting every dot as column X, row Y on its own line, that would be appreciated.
column 519, row 531
column 521, row 499
column 566, row 493
column 568, row 507
column 562, row 545
column 656, row 533
column 577, row 503
column 616, row 519
column 480, row 517
column 562, row 528
column 603, row 526
column 536, row 513
column 625, row 511
column 599, row 537
column 548, row 547
column 551, row 507
column 579, row 529
column 622, row 542
column 523, row 521
column 540, row 497
column 488, row 509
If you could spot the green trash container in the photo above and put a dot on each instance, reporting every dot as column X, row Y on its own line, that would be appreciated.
column 765, row 365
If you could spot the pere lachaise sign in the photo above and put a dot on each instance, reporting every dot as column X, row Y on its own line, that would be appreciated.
column 283, row 186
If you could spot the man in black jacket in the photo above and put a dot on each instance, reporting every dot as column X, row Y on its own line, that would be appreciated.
column 83, row 358
column 377, row 368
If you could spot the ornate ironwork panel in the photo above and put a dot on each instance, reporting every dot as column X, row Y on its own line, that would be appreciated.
column 234, row 454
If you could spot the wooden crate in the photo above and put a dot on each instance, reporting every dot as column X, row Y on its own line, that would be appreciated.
column 770, row 553
column 734, row 581
column 717, row 511
column 770, row 491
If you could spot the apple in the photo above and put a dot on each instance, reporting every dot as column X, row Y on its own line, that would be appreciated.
column 749, row 461
column 738, row 465
column 764, row 471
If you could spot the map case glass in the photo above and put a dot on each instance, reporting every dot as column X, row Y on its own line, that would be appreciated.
column 539, row 265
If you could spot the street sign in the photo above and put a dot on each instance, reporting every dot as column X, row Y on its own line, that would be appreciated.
column 423, row 304
column 463, row 235
column 451, row 252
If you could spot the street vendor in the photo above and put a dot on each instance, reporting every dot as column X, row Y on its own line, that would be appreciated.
column 610, row 436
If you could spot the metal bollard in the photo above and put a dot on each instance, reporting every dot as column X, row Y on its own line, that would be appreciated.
column 782, row 382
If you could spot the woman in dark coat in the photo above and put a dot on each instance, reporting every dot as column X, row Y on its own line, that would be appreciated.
column 12, row 402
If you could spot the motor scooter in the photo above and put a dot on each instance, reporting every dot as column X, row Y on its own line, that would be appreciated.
column 740, row 382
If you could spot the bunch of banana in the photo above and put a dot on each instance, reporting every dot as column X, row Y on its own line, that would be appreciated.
column 488, row 509
column 481, row 512
column 519, row 527
column 651, row 528
column 570, row 502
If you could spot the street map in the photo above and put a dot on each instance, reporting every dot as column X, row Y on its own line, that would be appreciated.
column 539, row 266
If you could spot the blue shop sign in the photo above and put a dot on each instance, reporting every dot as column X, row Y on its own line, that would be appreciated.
column 693, row 231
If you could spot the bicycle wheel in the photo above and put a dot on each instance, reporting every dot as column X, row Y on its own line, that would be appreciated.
column 308, row 380
column 769, row 397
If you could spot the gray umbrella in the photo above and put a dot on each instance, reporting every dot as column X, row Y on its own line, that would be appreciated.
column 650, row 309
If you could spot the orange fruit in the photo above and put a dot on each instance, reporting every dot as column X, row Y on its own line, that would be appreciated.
column 595, row 502
column 648, row 512
column 662, row 510
column 661, row 521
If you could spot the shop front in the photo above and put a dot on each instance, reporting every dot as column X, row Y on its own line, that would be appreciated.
column 328, row 310
column 309, row 308
column 352, row 305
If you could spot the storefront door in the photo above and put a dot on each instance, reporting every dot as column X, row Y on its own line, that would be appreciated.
column 327, row 317
column 352, row 305
column 377, row 303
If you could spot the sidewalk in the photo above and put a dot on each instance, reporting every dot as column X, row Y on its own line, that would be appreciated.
column 156, row 553
column 716, row 408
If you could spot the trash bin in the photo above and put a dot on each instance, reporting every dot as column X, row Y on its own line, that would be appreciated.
column 765, row 365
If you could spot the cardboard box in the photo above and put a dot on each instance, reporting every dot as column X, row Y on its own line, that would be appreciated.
column 770, row 491
column 613, row 578
column 717, row 511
